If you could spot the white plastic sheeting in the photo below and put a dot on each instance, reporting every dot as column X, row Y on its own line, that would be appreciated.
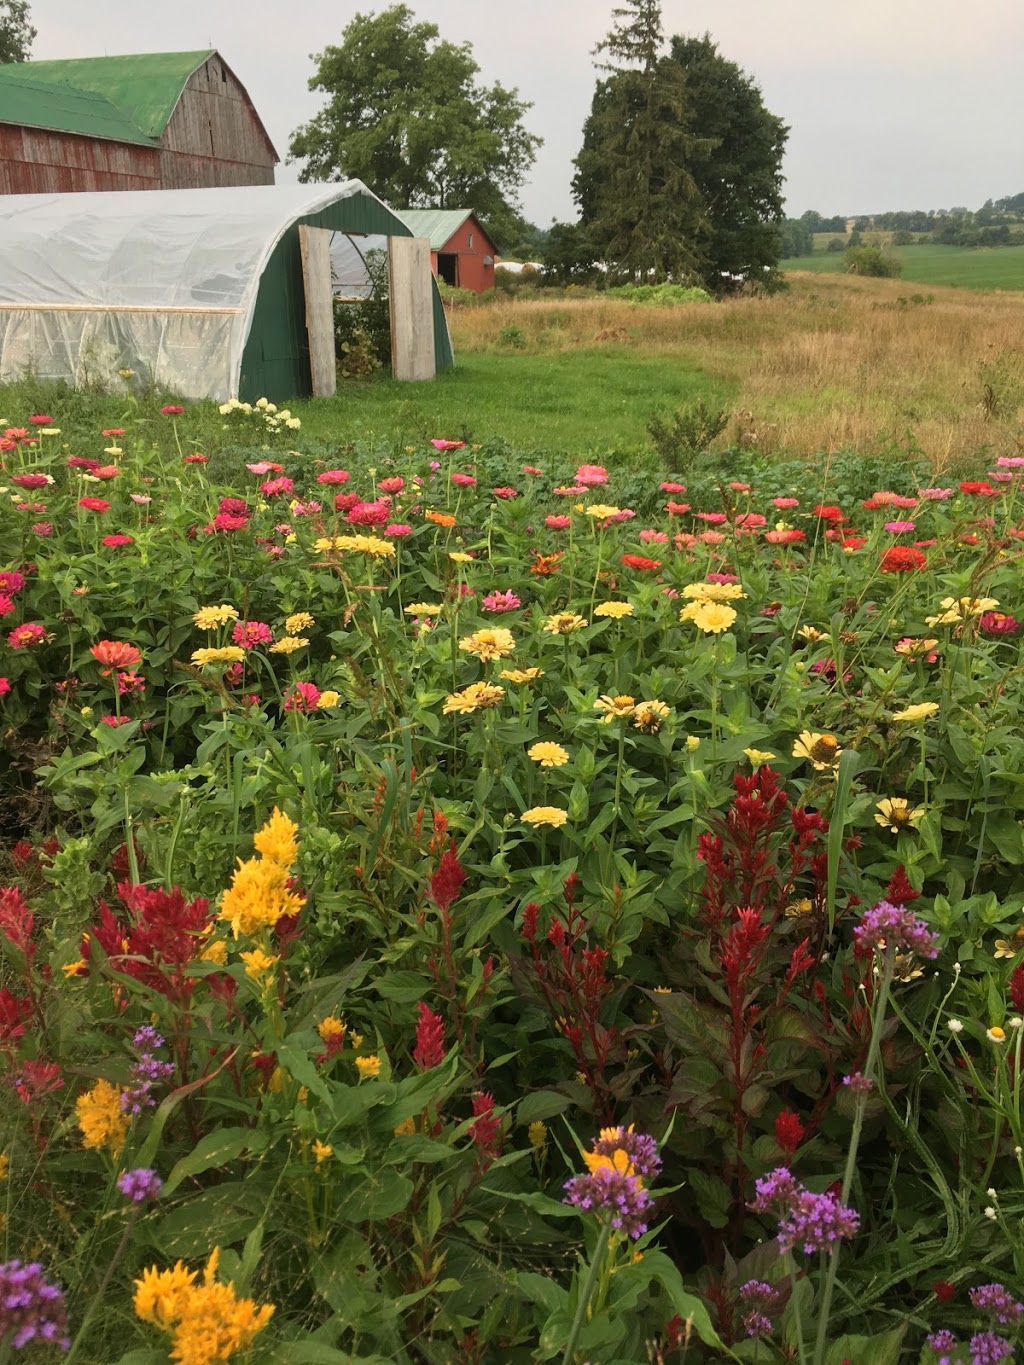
column 162, row 282
column 348, row 264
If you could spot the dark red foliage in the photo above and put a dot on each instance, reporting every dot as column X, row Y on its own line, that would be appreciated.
column 1016, row 989
column 164, row 934
column 447, row 880
column 429, row 1050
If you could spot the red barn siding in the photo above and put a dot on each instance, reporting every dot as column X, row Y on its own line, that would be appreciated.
column 39, row 161
column 214, row 137
column 471, row 244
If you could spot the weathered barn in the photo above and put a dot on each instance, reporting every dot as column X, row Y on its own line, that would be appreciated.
column 156, row 121
column 461, row 252
column 210, row 293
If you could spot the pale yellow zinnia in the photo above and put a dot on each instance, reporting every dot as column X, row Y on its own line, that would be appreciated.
column 616, row 610
column 713, row 617
column 548, row 754
column 714, row 592
column 600, row 511
column 288, row 644
column 522, row 675
column 478, row 696
column 229, row 654
column 564, row 623
column 820, row 750
column 298, row 622
column 920, row 710
column 895, row 814
column 545, row 815
column 490, row 643
column 620, row 707
column 209, row 618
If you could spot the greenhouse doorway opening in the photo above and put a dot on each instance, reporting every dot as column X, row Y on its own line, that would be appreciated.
column 448, row 268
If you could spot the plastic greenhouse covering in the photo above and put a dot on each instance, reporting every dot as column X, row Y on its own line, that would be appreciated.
column 162, row 282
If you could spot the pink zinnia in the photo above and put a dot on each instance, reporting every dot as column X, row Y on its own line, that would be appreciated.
column 398, row 530
column 591, row 474
column 713, row 518
column 998, row 623
column 447, row 445
column 791, row 537
column 623, row 514
column 899, row 528
column 654, row 537
column 30, row 480
column 370, row 513
column 936, row 494
column 464, row 480
column 721, row 578
column 303, row 697
column 107, row 471
column 785, row 503
column 558, row 523
column 113, row 431
column 750, row 520
column 262, row 467
column 42, row 528
column 506, row 493
column 1010, row 461
column 275, row 488
column 41, row 421
column 11, row 581
column 225, row 521
column 81, row 462
column 532, row 469
column 344, row 502
column 23, row 637
column 141, row 499
column 333, row 476
column 672, row 487
column 501, row 601
column 392, row 485
column 195, row 459
column 249, row 634
column 711, row 538
column 740, row 487
column 116, row 542
column 677, row 509
column 6, row 604
column 172, row 410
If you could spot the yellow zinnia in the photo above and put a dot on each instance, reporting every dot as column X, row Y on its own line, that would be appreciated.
column 713, row 617
column 615, row 708
column 288, row 644
column 564, row 623
column 821, row 750
column 424, row 608
column 600, row 511
column 649, row 715
column 714, row 592
column 209, row 618
column 895, row 814
column 758, row 756
column 327, row 699
column 548, row 755
column 488, row 644
column 229, row 654
column 301, row 620
column 919, row 711
column 616, row 610
column 522, row 675
column 545, row 815
column 477, row 697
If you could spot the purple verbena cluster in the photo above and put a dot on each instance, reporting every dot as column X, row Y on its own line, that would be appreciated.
column 147, row 1071
column 858, row 1084
column 758, row 1300
column 140, row 1185
column 943, row 1343
column 999, row 1302
column 31, row 1309
column 986, row 1348
column 641, row 1149
column 989, row 1348
column 815, row 1222
column 895, row 926
column 623, row 1196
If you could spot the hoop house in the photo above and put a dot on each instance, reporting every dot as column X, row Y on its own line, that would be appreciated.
column 210, row 293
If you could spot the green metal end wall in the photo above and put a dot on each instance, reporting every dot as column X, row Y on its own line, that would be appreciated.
column 275, row 362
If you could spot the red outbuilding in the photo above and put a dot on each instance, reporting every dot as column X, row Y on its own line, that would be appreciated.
column 152, row 121
column 461, row 252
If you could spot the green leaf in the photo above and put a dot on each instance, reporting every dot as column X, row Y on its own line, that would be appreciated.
column 541, row 1104
column 688, row 1306
column 880, row 1350
column 215, row 1150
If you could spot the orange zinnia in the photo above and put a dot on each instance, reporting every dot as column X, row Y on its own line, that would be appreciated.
column 116, row 654
column 441, row 518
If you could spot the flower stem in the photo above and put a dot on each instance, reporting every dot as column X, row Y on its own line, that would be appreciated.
column 600, row 1252
column 98, row 1296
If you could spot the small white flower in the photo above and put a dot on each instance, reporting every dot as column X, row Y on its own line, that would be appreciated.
column 1018, row 1152
column 957, row 968
column 993, row 1195
column 996, row 1035
column 990, row 1213
column 955, row 1026
column 1017, row 1022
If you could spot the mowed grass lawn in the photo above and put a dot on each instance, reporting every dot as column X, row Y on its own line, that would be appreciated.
column 969, row 268
column 583, row 400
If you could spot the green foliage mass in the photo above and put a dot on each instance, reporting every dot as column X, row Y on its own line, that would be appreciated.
column 16, row 31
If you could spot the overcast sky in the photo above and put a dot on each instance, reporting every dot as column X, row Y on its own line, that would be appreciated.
column 891, row 103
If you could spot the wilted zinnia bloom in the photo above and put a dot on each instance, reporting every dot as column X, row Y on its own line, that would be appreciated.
column 648, row 716
column 820, row 750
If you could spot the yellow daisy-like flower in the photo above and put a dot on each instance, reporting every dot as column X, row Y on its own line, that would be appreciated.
column 368, row 1067
column 476, row 697
column 616, row 610
column 812, row 634
column 161, row 1295
column 1010, row 947
column 648, row 716
column 944, row 618
column 692, row 743
column 821, row 750
column 758, row 756
column 620, row 707
column 323, row 544
column 912, row 649
column 424, row 609
column 564, row 623
column 797, row 908
column 259, row 967
column 206, row 1322
column 548, row 755
column 522, row 675
column 995, row 1034
column 921, row 710
column 330, row 1028
column 491, row 643
column 365, row 545
column 895, row 814
column 460, row 557
column 600, row 511
column 216, row 951
column 288, row 644
column 905, row 968
column 298, row 622
column 278, row 839
column 711, row 617
column 714, row 592
column 101, row 1118
column 545, row 815
column 229, row 654
column 327, row 700
column 322, row 1151
column 209, row 618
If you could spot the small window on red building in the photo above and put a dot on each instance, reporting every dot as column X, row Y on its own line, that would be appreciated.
column 471, row 241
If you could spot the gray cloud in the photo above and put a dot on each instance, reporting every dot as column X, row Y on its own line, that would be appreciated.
column 914, row 104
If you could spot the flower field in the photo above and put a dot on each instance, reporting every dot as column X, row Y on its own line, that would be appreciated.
column 459, row 910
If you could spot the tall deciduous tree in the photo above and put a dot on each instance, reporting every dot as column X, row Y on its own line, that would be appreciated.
column 739, row 172
column 405, row 115
column 639, row 203
column 16, row 31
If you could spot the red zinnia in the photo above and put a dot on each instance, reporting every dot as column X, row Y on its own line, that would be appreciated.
column 195, row 459
column 115, row 542
column 94, row 504
column 982, row 489
column 828, row 513
column 504, row 493
column 172, row 410
column 639, row 562
column 902, row 559
column 41, row 421
column 116, row 654
column 113, row 431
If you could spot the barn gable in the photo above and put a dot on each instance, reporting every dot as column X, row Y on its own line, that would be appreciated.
column 184, row 118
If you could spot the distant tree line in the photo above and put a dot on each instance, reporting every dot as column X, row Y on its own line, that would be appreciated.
column 996, row 223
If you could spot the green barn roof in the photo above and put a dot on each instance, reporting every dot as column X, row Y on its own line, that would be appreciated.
column 129, row 98
column 437, row 224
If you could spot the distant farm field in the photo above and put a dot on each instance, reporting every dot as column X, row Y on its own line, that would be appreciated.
column 969, row 268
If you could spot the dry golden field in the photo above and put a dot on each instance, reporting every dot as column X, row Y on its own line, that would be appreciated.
column 833, row 363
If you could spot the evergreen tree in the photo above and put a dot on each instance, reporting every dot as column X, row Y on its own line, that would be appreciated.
column 639, row 203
